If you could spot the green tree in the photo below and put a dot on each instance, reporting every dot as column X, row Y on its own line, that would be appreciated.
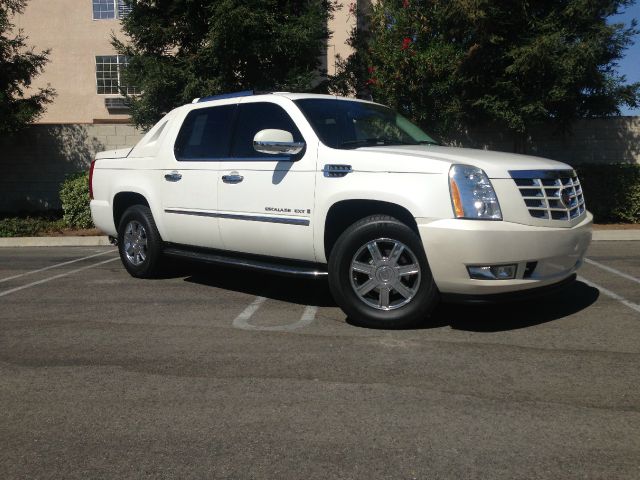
column 516, row 63
column 182, row 49
column 18, row 66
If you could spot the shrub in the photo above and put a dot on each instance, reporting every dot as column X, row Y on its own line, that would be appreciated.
column 612, row 192
column 28, row 226
column 74, row 194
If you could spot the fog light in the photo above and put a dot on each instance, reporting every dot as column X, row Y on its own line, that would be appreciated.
column 493, row 272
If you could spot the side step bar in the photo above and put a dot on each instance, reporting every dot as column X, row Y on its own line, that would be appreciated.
column 302, row 270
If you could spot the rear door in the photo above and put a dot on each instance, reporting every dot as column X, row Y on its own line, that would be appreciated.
column 190, row 177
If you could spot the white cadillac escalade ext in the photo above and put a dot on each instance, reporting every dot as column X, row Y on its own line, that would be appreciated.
column 315, row 185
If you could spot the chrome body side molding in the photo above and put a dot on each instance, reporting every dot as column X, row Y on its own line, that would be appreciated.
column 250, row 218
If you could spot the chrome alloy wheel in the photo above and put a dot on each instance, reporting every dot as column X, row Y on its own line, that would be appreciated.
column 385, row 274
column 135, row 243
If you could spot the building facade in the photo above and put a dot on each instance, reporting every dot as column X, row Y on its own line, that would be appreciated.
column 84, row 69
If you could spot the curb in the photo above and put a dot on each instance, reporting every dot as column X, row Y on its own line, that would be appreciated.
column 616, row 235
column 55, row 241
column 101, row 241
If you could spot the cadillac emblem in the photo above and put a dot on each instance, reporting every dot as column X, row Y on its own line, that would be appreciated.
column 565, row 197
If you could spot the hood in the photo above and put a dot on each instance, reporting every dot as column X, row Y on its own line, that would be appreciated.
column 495, row 164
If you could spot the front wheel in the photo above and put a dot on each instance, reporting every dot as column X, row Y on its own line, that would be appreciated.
column 379, row 275
column 139, row 242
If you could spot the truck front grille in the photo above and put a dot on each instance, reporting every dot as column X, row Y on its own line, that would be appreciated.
column 550, row 194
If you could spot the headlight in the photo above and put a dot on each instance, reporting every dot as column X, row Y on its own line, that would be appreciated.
column 472, row 194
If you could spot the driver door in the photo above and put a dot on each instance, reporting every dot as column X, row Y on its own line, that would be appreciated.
column 265, row 201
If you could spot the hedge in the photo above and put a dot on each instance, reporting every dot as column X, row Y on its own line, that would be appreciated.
column 612, row 192
column 74, row 194
column 29, row 226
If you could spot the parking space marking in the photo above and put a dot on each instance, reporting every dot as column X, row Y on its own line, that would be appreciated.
column 53, row 266
column 242, row 320
column 55, row 277
column 612, row 270
column 614, row 295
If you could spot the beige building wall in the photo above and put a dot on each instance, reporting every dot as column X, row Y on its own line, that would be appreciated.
column 343, row 22
column 68, row 29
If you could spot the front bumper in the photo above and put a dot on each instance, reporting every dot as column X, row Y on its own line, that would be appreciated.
column 452, row 245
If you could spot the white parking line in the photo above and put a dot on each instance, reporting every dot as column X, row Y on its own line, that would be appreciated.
column 53, row 266
column 612, row 270
column 242, row 320
column 55, row 277
column 614, row 295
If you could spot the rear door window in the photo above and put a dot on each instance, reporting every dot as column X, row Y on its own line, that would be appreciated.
column 205, row 134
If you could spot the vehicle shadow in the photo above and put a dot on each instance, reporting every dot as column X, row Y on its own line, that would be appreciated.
column 286, row 289
column 468, row 317
column 516, row 315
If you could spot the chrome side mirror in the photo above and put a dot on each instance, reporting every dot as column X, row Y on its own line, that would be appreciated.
column 273, row 142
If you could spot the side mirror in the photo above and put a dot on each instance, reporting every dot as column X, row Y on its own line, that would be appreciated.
column 273, row 142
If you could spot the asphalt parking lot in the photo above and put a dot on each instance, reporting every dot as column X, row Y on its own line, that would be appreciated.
column 217, row 373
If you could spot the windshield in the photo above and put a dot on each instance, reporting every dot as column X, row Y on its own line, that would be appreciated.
column 347, row 124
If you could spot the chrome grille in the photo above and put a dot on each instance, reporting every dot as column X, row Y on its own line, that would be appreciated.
column 550, row 194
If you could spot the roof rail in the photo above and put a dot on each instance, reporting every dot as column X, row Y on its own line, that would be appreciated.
column 244, row 93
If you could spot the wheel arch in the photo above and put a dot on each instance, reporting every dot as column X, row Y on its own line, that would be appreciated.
column 344, row 213
column 124, row 200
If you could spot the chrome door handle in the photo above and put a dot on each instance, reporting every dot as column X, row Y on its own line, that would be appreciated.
column 172, row 177
column 235, row 178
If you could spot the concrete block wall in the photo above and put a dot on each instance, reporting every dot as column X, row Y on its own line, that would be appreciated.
column 36, row 162
column 598, row 140
column 39, row 159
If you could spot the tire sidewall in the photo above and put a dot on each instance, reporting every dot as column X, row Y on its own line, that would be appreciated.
column 340, row 270
column 142, row 215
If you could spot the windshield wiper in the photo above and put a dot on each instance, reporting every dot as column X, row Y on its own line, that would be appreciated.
column 371, row 142
column 359, row 143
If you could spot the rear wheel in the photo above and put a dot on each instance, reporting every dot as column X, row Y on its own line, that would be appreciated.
column 379, row 275
column 139, row 242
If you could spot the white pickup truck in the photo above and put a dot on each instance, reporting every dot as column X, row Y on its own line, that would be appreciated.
column 317, row 185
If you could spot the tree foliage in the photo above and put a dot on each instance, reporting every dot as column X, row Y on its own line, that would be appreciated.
column 182, row 49
column 18, row 66
column 448, row 63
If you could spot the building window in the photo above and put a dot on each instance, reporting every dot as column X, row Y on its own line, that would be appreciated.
column 108, row 71
column 106, row 9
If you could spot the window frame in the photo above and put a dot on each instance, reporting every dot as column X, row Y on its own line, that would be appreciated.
column 234, row 128
column 121, row 60
column 120, row 10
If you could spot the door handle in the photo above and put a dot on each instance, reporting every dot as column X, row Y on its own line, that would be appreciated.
column 172, row 177
column 234, row 178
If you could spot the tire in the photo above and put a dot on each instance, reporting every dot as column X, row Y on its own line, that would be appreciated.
column 139, row 242
column 384, row 260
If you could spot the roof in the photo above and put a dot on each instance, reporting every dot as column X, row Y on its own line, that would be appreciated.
column 289, row 95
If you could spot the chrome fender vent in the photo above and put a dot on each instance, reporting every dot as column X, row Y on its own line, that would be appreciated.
column 336, row 170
